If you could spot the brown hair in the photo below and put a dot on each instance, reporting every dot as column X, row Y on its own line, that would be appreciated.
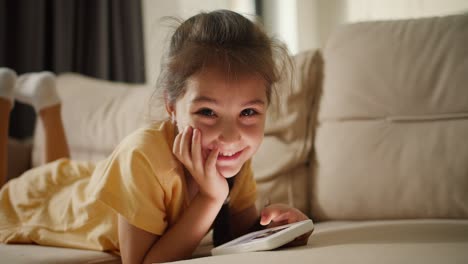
column 226, row 40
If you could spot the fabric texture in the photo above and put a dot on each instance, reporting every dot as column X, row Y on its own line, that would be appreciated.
column 48, row 206
column 362, row 242
column 28, row 253
column 281, row 164
column 74, row 204
column 97, row 115
column 396, row 241
column 391, row 141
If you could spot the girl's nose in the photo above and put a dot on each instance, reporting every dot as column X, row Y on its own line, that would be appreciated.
column 230, row 133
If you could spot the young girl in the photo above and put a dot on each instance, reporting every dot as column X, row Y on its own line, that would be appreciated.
column 162, row 189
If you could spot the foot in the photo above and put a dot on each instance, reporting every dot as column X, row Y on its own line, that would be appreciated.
column 7, row 83
column 37, row 89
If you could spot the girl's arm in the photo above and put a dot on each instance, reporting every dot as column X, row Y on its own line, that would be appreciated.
column 179, row 242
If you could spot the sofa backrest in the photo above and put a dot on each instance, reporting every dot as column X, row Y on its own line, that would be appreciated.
column 281, row 164
column 392, row 135
column 96, row 114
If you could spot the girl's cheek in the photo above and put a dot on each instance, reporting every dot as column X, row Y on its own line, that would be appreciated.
column 205, row 131
column 181, row 126
column 255, row 131
column 208, row 142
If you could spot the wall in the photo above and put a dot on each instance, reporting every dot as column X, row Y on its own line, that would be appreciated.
column 301, row 24
column 361, row 10
column 157, row 30
column 305, row 24
column 155, row 33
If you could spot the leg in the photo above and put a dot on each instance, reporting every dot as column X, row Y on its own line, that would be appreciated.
column 56, row 145
column 5, row 107
column 38, row 90
column 7, row 83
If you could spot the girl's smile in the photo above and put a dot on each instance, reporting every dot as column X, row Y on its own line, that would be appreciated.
column 229, row 156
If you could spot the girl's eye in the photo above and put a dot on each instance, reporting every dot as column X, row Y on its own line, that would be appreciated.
column 206, row 112
column 248, row 112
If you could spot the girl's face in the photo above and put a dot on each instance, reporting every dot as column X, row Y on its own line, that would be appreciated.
column 230, row 114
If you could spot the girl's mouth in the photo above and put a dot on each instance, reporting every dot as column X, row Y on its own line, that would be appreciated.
column 229, row 156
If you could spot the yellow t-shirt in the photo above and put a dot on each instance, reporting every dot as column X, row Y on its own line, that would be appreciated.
column 74, row 204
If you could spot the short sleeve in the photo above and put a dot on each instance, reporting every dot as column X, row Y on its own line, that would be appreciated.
column 244, row 192
column 127, row 183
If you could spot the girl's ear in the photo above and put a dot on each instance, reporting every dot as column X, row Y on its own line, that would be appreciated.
column 170, row 108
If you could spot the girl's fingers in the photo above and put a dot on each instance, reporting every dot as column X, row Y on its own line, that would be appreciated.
column 181, row 142
column 267, row 214
column 176, row 146
column 272, row 215
column 210, row 165
column 280, row 213
column 287, row 217
column 196, row 150
column 186, row 146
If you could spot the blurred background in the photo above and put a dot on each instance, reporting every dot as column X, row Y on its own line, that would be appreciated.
column 301, row 24
column 123, row 40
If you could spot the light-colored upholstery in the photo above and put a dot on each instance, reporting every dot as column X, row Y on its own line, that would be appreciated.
column 97, row 115
column 28, row 254
column 398, row 241
column 281, row 164
column 393, row 121
column 388, row 144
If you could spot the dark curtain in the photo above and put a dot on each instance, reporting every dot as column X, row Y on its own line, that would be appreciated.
column 98, row 38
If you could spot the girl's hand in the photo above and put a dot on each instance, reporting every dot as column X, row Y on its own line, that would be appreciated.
column 282, row 214
column 188, row 150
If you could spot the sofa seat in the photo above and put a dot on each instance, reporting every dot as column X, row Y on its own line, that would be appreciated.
column 393, row 241
column 23, row 254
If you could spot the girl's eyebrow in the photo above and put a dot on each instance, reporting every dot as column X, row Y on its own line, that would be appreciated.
column 255, row 102
column 206, row 99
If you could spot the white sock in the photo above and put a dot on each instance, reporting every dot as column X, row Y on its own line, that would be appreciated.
column 7, row 83
column 37, row 89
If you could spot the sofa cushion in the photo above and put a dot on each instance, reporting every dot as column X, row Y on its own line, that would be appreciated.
column 281, row 164
column 362, row 242
column 393, row 121
column 97, row 115
column 26, row 254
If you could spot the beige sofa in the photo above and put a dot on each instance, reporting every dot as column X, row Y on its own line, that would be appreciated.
column 370, row 143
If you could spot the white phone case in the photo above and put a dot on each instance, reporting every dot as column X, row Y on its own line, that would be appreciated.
column 266, row 239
